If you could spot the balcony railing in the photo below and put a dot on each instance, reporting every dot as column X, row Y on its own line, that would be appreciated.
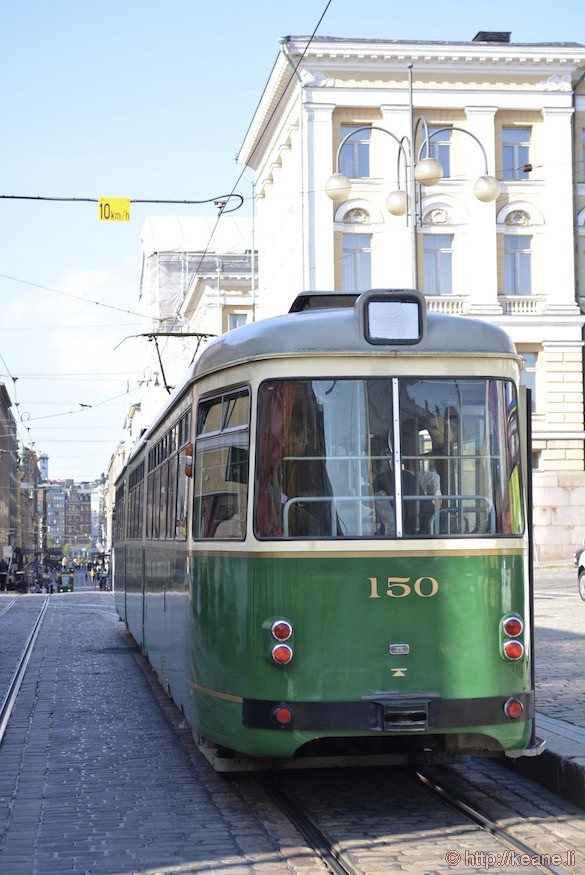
column 454, row 305
column 522, row 305
column 512, row 305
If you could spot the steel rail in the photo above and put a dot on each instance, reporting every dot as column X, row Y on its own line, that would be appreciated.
column 318, row 840
column 7, row 606
column 9, row 700
column 489, row 826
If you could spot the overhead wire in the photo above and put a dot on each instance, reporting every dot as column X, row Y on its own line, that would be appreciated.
column 95, row 200
column 71, row 295
column 265, row 128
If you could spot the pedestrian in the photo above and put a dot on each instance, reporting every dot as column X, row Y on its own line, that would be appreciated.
column 3, row 575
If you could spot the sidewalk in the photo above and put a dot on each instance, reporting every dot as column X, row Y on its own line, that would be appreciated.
column 560, row 684
column 94, row 777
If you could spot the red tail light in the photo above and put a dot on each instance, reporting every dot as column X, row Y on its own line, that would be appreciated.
column 513, row 708
column 282, row 715
column 281, row 630
column 513, row 649
column 513, row 626
column 282, row 654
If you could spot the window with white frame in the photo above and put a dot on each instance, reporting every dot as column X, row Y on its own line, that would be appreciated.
column 528, row 376
column 582, row 174
column 515, row 152
column 439, row 147
column 518, row 264
column 235, row 320
column 438, row 264
column 357, row 262
column 354, row 158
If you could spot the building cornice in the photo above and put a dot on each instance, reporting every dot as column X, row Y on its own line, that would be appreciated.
column 556, row 67
column 400, row 52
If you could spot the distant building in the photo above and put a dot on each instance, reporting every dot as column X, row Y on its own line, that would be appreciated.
column 74, row 516
column 28, row 527
column 55, row 492
column 9, row 547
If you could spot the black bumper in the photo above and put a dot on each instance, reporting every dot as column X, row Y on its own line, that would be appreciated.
column 399, row 714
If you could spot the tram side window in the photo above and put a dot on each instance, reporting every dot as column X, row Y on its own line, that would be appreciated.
column 181, row 479
column 162, row 498
column 167, row 484
column 172, row 496
column 135, row 512
column 156, row 504
column 221, row 466
column 149, row 505
column 181, row 501
column 119, row 513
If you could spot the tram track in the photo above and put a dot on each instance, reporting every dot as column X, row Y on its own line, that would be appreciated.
column 10, row 696
column 330, row 853
column 7, row 606
column 343, row 851
column 519, row 848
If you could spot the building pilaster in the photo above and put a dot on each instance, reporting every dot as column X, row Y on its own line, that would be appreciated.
column 318, row 242
column 482, row 250
column 559, row 256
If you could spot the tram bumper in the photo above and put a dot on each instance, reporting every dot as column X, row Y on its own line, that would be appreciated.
column 417, row 713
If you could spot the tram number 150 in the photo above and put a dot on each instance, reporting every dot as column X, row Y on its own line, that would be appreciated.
column 400, row 587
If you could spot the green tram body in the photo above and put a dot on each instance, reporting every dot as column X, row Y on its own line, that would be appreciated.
column 397, row 636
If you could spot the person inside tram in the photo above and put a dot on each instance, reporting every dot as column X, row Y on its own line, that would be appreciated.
column 430, row 485
column 304, row 475
column 383, row 485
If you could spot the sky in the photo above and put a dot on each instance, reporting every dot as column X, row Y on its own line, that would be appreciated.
column 152, row 101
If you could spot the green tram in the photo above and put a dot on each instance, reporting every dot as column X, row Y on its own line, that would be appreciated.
column 321, row 544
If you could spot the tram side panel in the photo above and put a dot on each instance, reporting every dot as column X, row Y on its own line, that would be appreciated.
column 119, row 580
column 129, row 587
column 166, row 612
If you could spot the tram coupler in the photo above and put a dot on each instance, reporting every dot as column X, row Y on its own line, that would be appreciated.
column 400, row 715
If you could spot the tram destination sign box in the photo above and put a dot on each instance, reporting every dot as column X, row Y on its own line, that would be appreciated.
column 394, row 317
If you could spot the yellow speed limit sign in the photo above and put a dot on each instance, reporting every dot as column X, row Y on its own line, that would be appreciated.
column 114, row 209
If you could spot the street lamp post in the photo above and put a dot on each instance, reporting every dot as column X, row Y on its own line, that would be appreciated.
column 418, row 172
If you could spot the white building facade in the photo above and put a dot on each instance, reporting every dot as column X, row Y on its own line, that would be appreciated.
column 518, row 261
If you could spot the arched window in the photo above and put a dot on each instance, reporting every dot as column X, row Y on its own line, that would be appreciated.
column 518, row 255
column 520, row 222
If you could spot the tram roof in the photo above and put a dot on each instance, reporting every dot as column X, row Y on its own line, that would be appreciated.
column 329, row 323
column 322, row 323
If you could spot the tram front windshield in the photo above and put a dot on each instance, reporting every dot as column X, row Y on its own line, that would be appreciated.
column 388, row 458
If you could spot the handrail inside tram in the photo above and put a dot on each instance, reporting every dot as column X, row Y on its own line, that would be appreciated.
column 441, row 520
